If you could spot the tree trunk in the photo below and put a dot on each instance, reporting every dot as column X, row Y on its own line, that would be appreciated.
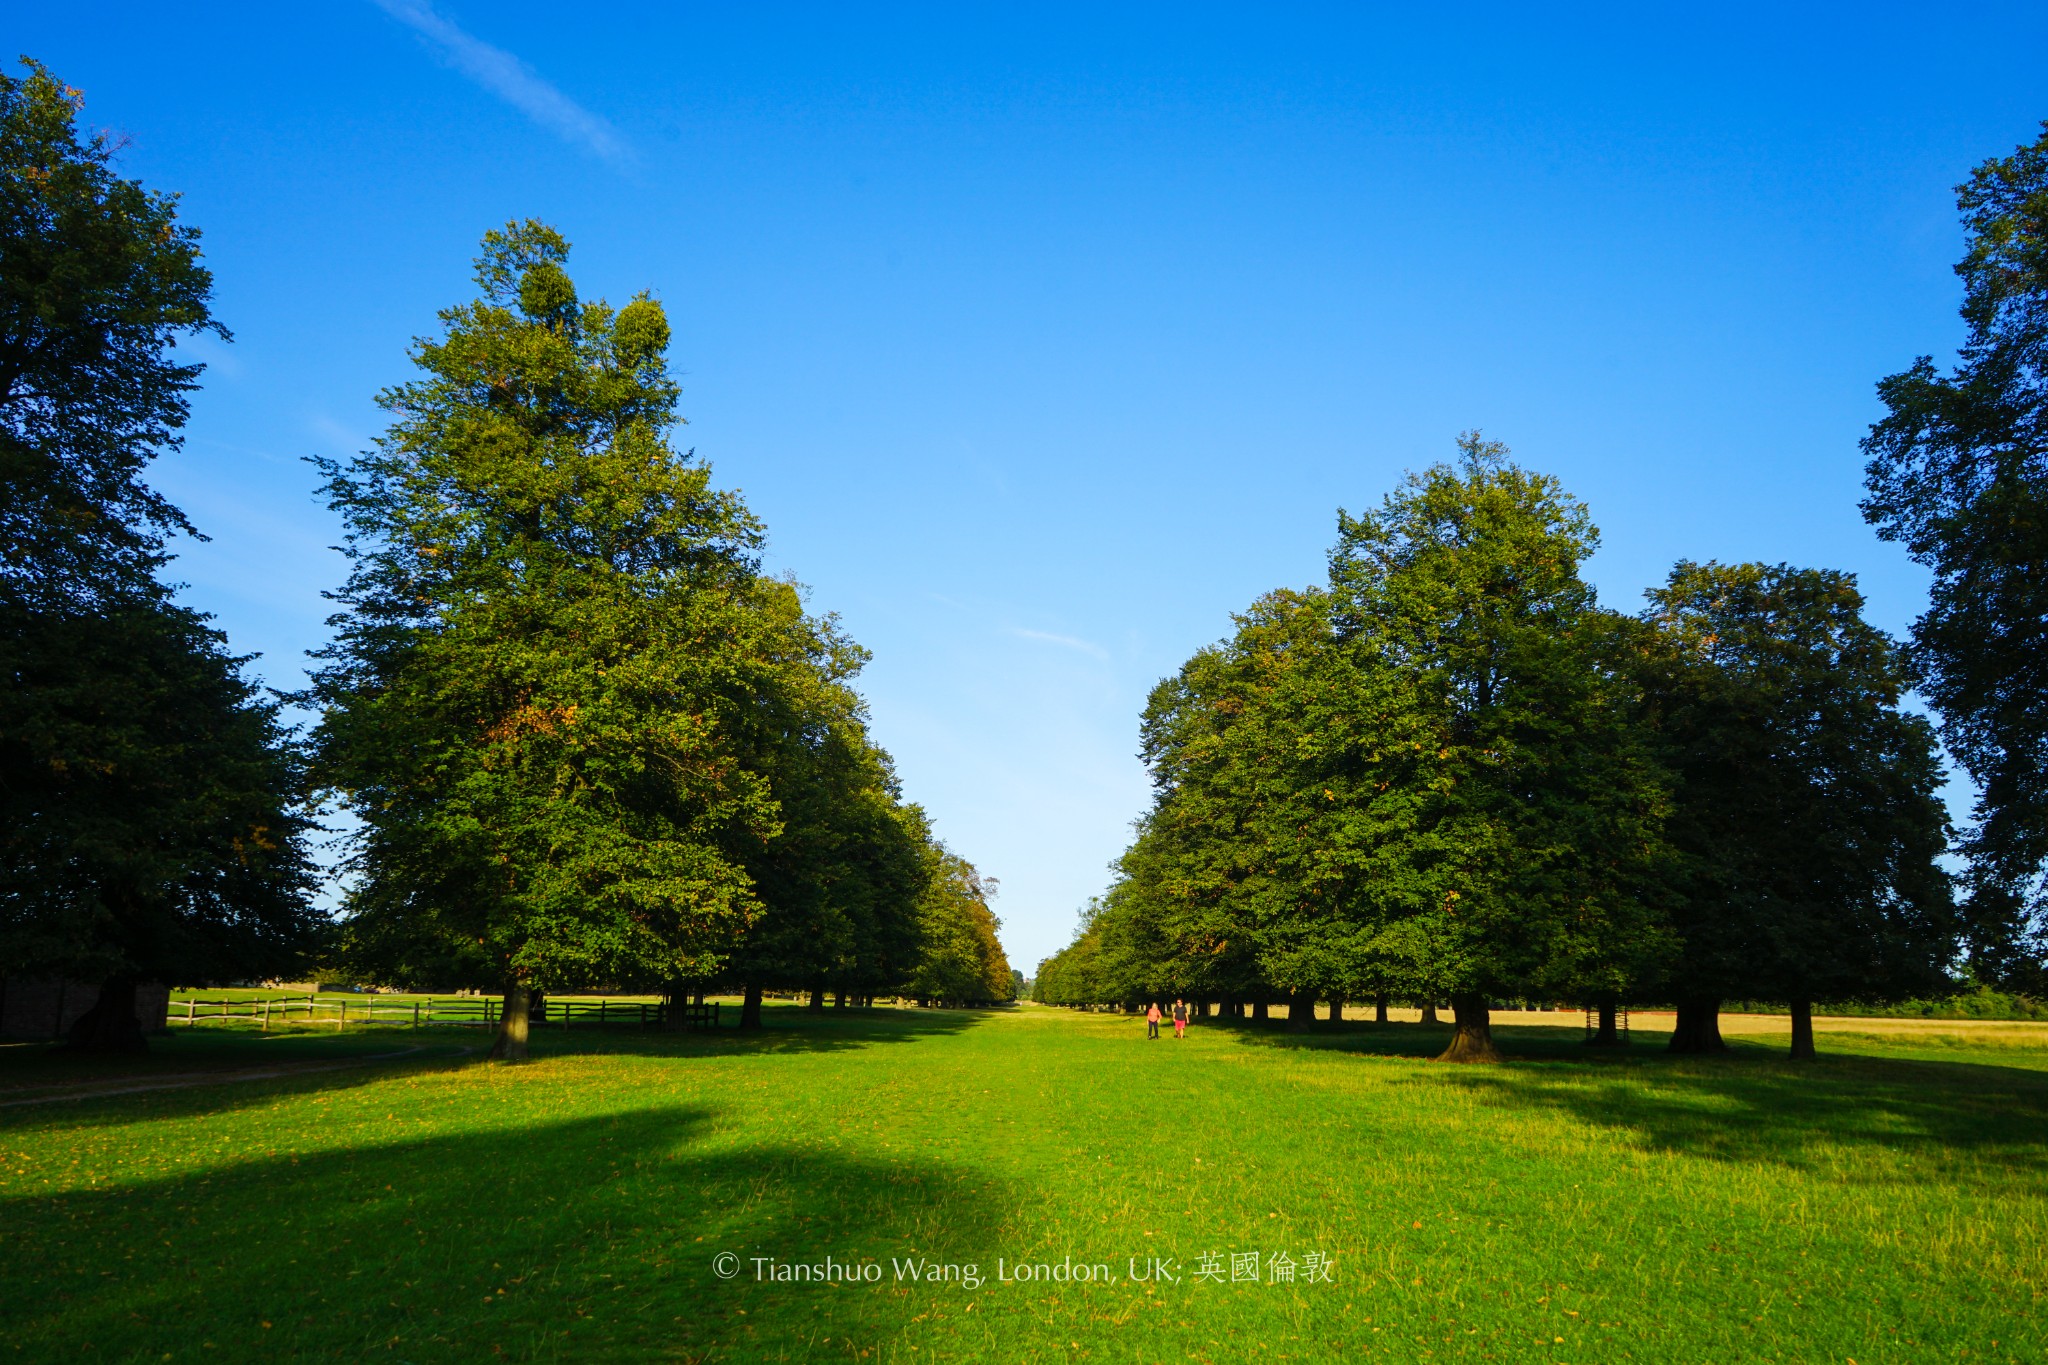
column 839, row 999
column 1429, row 1014
column 1472, row 1038
column 1258, row 1011
column 1698, row 1029
column 1802, row 1030
column 1336, row 1012
column 817, row 999
column 513, row 1022
column 110, row 1025
column 674, row 1001
column 750, row 1007
column 1300, row 1010
column 1379, row 1009
column 700, row 997
column 1607, row 1035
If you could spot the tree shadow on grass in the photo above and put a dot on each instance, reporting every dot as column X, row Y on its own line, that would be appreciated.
column 121, row 1100
column 1982, row 1122
column 1749, row 1105
column 59, row 1090
column 788, row 1028
column 26, row 1068
column 584, row 1239
column 785, row 1028
column 1409, row 1040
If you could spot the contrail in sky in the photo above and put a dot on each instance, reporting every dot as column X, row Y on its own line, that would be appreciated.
column 510, row 79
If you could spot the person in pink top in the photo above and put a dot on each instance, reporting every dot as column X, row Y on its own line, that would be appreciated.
column 1152, row 1017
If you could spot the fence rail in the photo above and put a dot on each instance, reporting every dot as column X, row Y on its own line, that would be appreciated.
column 477, row 1011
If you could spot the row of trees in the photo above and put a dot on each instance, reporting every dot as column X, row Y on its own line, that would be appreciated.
column 579, row 735
column 1448, row 774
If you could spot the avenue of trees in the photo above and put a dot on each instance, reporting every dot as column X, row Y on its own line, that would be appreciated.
column 582, row 737
column 1447, row 774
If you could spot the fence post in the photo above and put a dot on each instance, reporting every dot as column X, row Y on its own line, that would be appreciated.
column 266, row 1016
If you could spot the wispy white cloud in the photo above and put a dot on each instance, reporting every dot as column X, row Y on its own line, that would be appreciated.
column 339, row 438
column 1064, row 641
column 510, row 79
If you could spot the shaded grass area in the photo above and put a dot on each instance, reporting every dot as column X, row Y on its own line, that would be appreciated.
column 31, row 1068
column 1885, row 1204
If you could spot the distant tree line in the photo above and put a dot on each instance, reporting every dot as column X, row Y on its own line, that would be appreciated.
column 580, row 735
column 1448, row 775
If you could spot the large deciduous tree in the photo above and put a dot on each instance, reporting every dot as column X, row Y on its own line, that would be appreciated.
column 1959, row 473
column 1423, row 781
column 147, row 820
column 149, row 827
column 1805, row 814
column 98, row 281
column 1505, row 833
column 555, row 645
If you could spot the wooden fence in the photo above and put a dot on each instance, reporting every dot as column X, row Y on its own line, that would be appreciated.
column 476, row 1011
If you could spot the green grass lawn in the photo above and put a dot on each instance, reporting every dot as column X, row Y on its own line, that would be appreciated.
column 1882, row 1206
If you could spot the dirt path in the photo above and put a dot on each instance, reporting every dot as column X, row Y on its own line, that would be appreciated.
column 92, row 1090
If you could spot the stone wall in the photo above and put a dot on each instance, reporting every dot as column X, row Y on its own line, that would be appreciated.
column 41, row 1007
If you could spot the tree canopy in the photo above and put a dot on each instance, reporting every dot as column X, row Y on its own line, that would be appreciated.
column 150, row 824
column 1449, row 774
column 586, row 738
column 1806, row 818
column 1958, row 473
column 101, row 279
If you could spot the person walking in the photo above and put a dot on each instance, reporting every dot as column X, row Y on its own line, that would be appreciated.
column 1180, row 1018
column 1152, row 1018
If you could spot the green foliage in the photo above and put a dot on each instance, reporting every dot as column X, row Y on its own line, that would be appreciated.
column 1423, row 780
column 148, row 825
column 556, row 655
column 585, row 738
column 842, row 885
column 1959, row 473
column 962, row 961
column 98, row 279
column 1450, row 773
column 1501, row 817
column 1977, row 1002
column 147, row 820
column 1807, row 808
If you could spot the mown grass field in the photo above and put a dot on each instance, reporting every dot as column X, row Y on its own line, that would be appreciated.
column 1885, row 1204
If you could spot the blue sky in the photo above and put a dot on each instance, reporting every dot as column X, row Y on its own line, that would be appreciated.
column 1044, row 339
